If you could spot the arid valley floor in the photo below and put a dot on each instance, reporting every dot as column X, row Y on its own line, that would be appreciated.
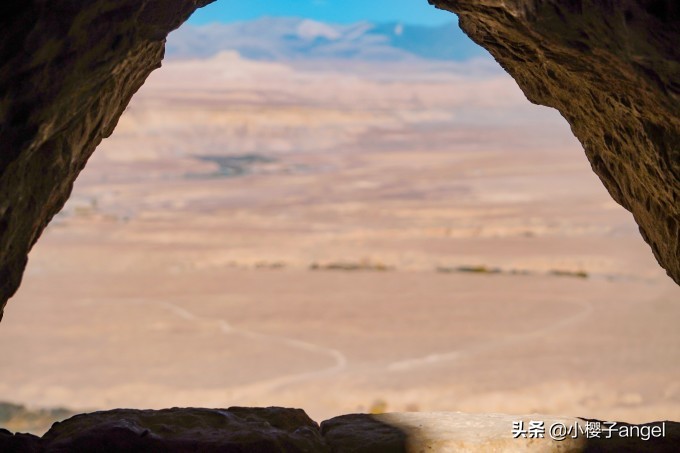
column 395, row 238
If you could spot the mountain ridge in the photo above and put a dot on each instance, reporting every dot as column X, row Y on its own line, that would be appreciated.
column 297, row 39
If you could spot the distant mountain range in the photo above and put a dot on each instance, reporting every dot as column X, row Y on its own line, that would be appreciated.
column 292, row 39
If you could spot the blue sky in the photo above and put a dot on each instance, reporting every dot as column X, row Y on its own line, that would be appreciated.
column 337, row 11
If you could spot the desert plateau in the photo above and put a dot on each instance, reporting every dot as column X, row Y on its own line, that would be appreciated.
column 342, row 236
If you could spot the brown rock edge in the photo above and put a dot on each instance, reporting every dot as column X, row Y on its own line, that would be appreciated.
column 67, row 72
column 275, row 429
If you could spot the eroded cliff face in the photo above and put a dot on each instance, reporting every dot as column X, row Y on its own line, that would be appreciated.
column 68, row 70
column 612, row 69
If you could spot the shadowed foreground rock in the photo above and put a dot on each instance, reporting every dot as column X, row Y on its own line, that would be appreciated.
column 237, row 430
column 264, row 430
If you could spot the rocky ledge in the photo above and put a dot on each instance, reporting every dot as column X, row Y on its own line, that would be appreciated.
column 274, row 429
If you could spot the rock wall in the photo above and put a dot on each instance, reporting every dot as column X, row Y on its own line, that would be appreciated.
column 612, row 69
column 68, row 69
column 275, row 429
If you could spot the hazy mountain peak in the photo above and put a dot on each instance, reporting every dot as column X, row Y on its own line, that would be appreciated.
column 296, row 39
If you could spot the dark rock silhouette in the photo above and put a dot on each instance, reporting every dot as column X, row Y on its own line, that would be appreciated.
column 275, row 429
column 235, row 430
column 361, row 433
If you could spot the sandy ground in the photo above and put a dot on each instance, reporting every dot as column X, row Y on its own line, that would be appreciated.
column 181, row 271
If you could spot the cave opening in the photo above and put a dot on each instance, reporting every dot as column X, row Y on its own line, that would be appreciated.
column 343, row 235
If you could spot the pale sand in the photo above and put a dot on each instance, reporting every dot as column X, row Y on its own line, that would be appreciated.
column 154, row 289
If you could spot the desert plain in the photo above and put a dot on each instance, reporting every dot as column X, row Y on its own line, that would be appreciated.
column 343, row 237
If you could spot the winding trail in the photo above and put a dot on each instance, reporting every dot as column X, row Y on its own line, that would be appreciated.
column 430, row 359
column 339, row 359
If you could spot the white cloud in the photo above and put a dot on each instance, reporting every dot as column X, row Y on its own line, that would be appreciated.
column 310, row 29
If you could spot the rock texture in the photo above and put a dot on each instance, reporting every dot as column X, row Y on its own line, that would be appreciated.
column 612, row 68
column 265, row 430
column 360, row 433
column 234, row 430
column 67, row 71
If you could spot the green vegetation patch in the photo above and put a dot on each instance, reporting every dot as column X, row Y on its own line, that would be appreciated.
column 363, row 265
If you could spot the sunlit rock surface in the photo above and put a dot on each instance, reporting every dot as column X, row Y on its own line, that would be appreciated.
column 265, row 430
column 612, row 68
